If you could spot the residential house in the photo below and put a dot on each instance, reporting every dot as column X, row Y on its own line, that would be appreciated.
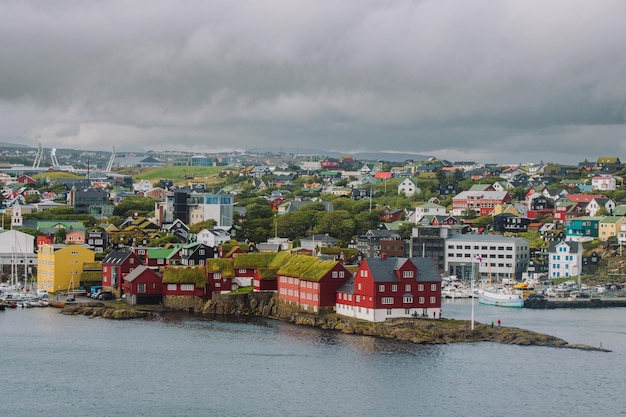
column 213, row 237
column 309, row 283
column 59, row 267
column 143, row 286
column 565, row 259
column 315, row 241
column 609, row 227
column 75, row 237
column 385, row 288
column 246, row 264
column 597, row 204
column 115, row 266
column 603, row 183
column 196, row 253
column 408, row 187
column 157, row 258
column 376, row 243
column 582, row 229
column 481, row 202
column 184, row 288
column 428, row 209
column 220, row 275
column 97, row 241
column 508, row 222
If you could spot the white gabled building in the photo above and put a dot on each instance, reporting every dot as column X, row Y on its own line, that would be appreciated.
column 492, row 257
column 213, row 237
column 565, row 259
column 408, row 187
column 603, row 183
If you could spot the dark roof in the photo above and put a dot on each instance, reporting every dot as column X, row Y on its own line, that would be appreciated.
column 383, row 269
column 116, row 257
column 137, row 272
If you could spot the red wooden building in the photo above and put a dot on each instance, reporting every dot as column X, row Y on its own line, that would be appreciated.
column 310, row 283
column 220, row 274
column 385, row 288
column 184, row 287
column 115, row 266
column 143, row 286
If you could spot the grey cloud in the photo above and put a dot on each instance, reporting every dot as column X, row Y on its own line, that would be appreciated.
column 489, row 79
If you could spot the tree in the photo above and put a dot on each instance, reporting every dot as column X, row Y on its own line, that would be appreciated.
column 406, row 230
column 468, row 213
column 207, row 224
column 339, row 224
column 143, row 206
column 59, row 236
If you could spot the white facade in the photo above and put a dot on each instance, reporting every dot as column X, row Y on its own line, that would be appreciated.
column 595, row 205
column 429, row 209
column 408, row 187
column 382, row 314
column 603, row 183
column 213, row 238
column 500, row 257
column 565, row 260
column 18, row 250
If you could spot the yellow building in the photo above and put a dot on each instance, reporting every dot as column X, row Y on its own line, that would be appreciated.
column 59, row 267
column 610, row 227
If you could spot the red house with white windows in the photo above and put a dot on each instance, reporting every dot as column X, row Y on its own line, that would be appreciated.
column 482, row 202
column 143, row 286
column 309, row 283
column 115, row 266
column 220, row 274
column 184, row 287
column 385, row 288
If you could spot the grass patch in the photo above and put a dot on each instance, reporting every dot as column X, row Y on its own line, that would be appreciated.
column 242, row 290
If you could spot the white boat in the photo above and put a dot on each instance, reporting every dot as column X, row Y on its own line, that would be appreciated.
column 500, row 296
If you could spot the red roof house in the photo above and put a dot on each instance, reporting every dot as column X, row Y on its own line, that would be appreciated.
column 143, row 286
column 309, row 283
column 385, row 288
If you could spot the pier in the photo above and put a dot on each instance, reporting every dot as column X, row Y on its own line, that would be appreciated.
column 571, row 302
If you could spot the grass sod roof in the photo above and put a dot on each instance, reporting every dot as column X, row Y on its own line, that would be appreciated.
column 92, row 265
column 348, row 253
column 253, row 260
column 91, row 276
column 267, row 273
column 306, row 267
column 188, row 275
column 225, row 266
column 280, row 259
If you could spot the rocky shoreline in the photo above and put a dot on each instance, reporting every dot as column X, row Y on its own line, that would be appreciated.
column 418, row 331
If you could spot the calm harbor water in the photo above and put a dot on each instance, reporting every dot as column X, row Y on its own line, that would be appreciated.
column 185, row 365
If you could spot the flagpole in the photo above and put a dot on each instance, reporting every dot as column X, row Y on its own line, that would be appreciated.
column 473, row 296
column 478, row 259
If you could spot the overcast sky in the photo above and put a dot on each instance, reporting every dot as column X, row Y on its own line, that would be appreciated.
column 486, row 80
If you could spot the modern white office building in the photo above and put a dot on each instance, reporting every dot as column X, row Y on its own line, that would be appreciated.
column 491, row 257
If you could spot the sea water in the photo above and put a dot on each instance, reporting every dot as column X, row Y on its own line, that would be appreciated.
column 190, row 365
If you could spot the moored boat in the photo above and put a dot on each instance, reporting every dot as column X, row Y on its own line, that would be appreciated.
column 500, row 296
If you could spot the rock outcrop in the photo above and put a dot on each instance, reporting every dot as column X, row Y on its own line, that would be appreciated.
column 95, row 309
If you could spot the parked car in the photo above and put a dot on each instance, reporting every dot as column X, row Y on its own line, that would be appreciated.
column 96, row 294
column 582, row 295
column 70, row 298
column 106, row 295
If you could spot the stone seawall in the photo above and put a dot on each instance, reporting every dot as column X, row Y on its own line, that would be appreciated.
column 184, row 303
column 95, row 309
column 236, row 305
column 421, row 330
